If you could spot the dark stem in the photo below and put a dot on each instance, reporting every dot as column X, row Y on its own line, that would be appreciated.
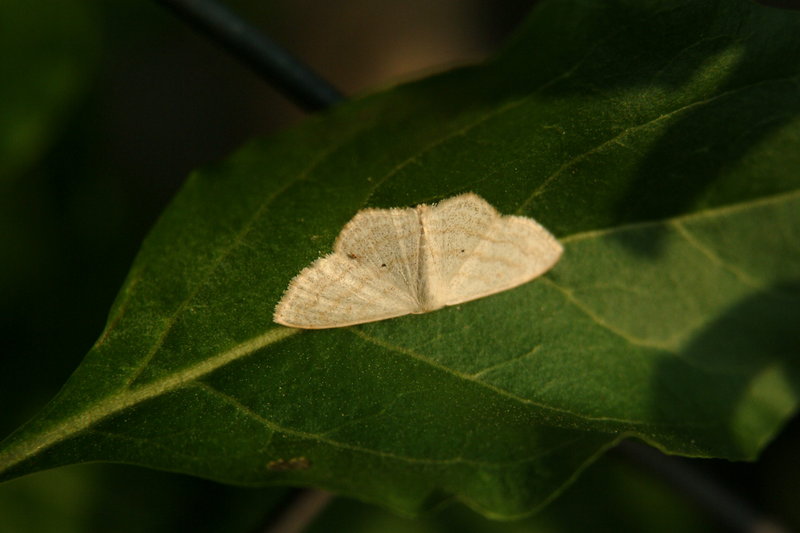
column 294, row 79
column 298, row 511
column 723, row 505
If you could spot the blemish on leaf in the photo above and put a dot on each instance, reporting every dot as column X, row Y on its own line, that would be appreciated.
column 289, row 465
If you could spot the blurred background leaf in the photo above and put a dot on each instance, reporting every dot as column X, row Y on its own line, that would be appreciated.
column 611, row 496
column 100, row 498
column 50, row 52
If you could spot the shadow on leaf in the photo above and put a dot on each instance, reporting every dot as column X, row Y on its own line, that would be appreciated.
column 736, row 378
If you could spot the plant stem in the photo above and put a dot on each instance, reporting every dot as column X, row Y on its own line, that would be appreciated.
column 723, row 505
column 293, row 78
column 299, row 511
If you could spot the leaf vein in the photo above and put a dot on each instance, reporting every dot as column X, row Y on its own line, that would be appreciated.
column 713, row 257
column 127, row 398
column 544, row 185
column 502, row 392
column 505, row 363
column 600, row 321
column 234, row 243
column 723, row 210
column 322, row 439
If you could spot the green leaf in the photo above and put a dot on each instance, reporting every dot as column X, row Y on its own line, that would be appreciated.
column 611, row 496
column 657, row 139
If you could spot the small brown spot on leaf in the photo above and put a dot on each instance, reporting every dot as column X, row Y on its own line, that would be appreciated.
column 289, row 465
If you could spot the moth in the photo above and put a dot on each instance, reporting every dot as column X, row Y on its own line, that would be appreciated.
column 392, row 262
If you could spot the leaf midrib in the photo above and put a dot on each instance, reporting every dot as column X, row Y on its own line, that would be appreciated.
column 126, row 398
column 215, row 264
column 129, row 397
column 543, row 186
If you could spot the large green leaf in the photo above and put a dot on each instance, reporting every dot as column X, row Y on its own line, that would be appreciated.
column 658, row 139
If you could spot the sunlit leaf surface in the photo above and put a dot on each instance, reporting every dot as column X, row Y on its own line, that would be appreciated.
column 659, row 140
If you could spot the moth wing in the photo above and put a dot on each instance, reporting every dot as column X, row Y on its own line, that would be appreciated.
column 513, row 251
column 334, row 292
column 371, row 275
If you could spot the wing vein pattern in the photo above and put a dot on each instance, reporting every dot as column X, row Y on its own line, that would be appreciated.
column 392, row 262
